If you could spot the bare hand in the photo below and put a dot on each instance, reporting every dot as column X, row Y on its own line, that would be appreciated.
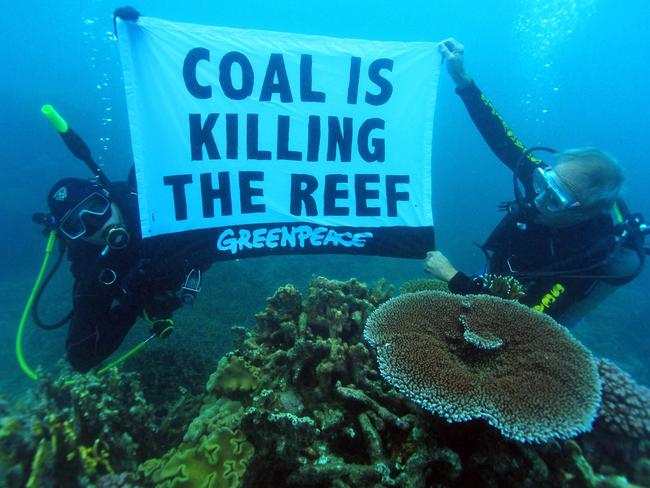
column 439, row 266
column 454, row 52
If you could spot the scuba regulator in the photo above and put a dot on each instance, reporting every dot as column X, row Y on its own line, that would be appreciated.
column 523, row 206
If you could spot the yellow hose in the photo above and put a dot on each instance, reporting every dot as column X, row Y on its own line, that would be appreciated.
column 51, row 241
column 126, row 356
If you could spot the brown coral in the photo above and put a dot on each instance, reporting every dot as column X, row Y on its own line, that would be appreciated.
column 485, row 357
column 625, row 407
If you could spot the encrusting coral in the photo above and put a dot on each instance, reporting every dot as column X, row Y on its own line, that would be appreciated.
column 621, row 434
column 625, row 408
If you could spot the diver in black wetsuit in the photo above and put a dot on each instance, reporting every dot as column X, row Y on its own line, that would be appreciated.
column 119, row 276
column 567, row 235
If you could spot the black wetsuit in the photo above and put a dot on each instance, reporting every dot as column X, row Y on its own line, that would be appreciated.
column 111, row 291
column 559, row 267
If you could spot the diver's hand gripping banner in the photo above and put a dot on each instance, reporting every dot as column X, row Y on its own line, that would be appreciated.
column 281, row 143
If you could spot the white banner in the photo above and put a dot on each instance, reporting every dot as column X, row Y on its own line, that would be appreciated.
column 281, row 142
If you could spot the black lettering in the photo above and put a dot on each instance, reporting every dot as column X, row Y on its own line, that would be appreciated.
column 378, row 144
column 275, row 69
column 252, row 139
column 246, row 192
column 392, row 195
column 363, row 194
column 341, row 138
column 306, row 92
column 201, row 135
column 210, row 194
column 353, row 84
column 189, row 73
column 332, row 194
column 313, row 137
column 225, row 75
column 232, row 136
column 385, row 86
column 283, row 140
column 302, row 187
column 178, row 182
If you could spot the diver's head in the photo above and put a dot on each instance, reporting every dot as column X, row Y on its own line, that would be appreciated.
column 583, row 184
column 83, row 209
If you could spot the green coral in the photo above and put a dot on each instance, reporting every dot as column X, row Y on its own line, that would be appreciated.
column 219, row 461
column 77, row 429
column 233, row 375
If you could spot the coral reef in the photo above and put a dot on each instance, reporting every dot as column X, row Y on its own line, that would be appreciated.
column 625, row 407
column 304, row 391
column 299, row 402
column 78, row 429
column 485, row 357
column 620, row 439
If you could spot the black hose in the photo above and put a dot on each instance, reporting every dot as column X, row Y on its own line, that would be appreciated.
column 520, row 198
column 39, row 294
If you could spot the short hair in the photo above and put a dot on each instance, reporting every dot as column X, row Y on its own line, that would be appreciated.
column 593, row 175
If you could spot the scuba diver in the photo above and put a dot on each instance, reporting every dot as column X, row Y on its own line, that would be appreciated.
column 565, row 235
column 118, row 275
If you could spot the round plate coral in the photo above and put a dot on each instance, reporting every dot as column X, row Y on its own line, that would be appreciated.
column 482, row 357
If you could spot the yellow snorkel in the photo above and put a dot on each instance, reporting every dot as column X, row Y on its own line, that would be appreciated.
column 75, row 144
column 81, row 150
column 160, row 328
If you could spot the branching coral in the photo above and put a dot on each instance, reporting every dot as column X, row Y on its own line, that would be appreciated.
column 484, row 357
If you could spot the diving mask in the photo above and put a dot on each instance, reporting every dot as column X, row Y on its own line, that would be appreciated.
column 87, row 216
column 552, row 194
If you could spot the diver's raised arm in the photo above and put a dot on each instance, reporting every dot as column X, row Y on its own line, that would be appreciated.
column 453, row 52
column 496, row 133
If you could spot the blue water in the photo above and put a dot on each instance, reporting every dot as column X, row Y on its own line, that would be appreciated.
column 563, row 73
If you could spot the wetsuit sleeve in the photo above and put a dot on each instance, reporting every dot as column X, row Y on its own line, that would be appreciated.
column 496, row 133
column 464, row 285
column 99, row 324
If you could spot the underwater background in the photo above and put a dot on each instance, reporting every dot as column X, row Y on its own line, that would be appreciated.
column 562, row 73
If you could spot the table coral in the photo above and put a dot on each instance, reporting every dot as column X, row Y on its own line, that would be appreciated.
column 484, row 357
